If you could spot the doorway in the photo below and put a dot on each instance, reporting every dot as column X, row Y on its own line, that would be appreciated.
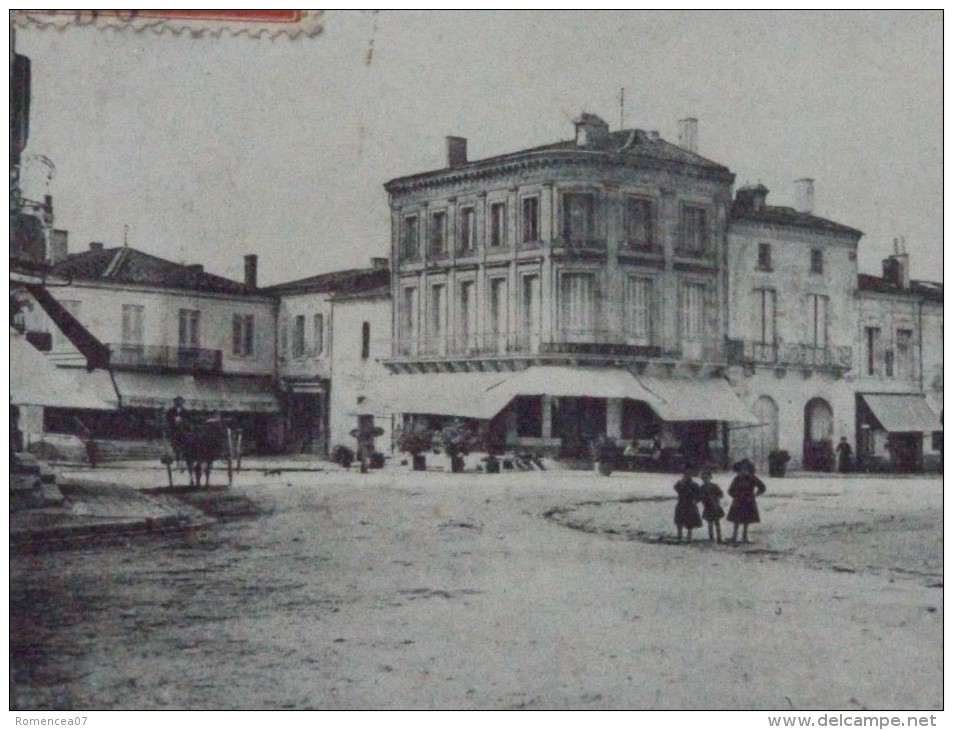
column 818, row 435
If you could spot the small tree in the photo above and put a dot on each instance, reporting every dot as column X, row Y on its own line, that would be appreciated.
column 415, row 440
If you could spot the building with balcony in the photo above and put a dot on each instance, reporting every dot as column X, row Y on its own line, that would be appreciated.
column 314, row 335
column 157, row 329
column 792, row 277
column 585, row 278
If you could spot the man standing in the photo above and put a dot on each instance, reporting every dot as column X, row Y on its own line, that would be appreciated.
column 176, row 421
column 844, row 453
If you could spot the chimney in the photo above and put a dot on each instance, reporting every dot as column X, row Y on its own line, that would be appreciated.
column 751, row 197
column 804, row 195
column 380, row 263
column 591, row 130
column 688, row 134
column 456, row 151
column 897, row 269
column 251, row 271
column 59, row 246
column 654, row 135
column 95, row 246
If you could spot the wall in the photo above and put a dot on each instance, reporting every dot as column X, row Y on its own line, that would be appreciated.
column 889, row 313
column 314, row 362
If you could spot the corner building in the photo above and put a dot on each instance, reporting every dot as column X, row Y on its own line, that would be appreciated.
column 566, row 292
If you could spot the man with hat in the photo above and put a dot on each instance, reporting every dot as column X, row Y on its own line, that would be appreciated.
column 176, row 421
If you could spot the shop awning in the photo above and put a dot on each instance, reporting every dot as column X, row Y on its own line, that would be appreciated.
column 35, row 381
column 469, row 395
column 709, row 399
column 218, row 393
column 576, row 382
column 902, row 413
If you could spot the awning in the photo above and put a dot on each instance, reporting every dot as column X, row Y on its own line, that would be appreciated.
column 709, row 399
column 470, row 395
column 216, row 393
column 35, row 381
column 576, row 382
column 902, row 413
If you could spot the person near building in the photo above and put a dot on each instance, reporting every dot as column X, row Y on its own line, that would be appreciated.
column 744, row 489
column 686, row 508
column 844, row 454
column 177, row 422
column 712, row 511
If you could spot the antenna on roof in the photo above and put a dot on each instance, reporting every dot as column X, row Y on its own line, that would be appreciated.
column 622, row 108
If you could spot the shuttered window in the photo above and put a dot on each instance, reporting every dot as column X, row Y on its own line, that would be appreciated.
column 638, row 309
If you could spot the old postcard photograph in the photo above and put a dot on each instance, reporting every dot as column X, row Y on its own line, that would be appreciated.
column 477, row 360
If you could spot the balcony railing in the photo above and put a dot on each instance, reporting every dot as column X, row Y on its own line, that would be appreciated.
column 788, row 354
column 580, row 244
column 162, row 357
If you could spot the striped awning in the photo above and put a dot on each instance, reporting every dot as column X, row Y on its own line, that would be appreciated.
column 902, row 413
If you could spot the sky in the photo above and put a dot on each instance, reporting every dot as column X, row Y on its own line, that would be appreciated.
column 212, row 148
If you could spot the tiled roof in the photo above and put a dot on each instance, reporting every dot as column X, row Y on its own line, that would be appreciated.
column 347, row 281
column 634, row 144
column 782, row 216
column 129, row 266
column 929, row 290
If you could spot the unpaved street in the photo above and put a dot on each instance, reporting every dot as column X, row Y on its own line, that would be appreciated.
column 538, row 590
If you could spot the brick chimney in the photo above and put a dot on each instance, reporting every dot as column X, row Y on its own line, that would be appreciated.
column 804, row 195
column 688, row 134
column 591, row 130
column 95, row 246
column 251, row 271
column 380, row 262
column 456, row 151
column 59, row 246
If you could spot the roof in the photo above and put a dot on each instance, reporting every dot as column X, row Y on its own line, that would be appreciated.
column 929, row 290
column 124, row 265
column 345, row 282
column 778, row 215
column 625, row 145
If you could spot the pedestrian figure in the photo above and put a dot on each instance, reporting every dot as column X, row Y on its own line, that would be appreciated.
column 712, row 511
column 744, row 508
column 686, row 508
column 177, row 423
column 844, row 453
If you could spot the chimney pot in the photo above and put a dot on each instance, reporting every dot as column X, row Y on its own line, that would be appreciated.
column 95, row 246
column 251, row 271
column 688, row 134
column 380, row 262
column 591, row 130
column 804, row 194
column 456, row 151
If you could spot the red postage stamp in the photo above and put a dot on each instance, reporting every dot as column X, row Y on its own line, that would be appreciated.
column 255, row 23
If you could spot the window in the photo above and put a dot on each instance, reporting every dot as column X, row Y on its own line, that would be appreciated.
column 817, row 311
column 638, row 310
column 132, row 324
column 872, row 340
column 365, row 340
column 579, row 225
column 904, row 357
column 694, row 229
column 888, row 363
column 283, row 336
column 438, row 319
column 438, row 233
column 764, row 256
column 189, row 328
column 497, row 316
column 692, row 311
column 466, row 316
column 529, row 312
column 577, row 306
column 765, row 319
column 243, row 334
column 467, row 230
column 411, row 237
column 297, row 337
column 60, row 340
column 408, row 322
column 530, row 220
column 639, row 223
column 817, row 261
column 318, row 335
column 498, row 225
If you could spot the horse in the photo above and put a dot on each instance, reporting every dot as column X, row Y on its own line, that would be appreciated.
column 201, row 444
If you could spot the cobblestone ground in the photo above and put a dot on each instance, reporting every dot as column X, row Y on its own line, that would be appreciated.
column 540, row 590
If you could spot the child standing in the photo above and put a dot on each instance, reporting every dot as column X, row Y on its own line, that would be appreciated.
column 712, row 511
column 743, row 490
column 686, row 508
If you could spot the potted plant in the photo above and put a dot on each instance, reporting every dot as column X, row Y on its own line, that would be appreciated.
column 778, row 462
column 604, row 454
column 342, row 455
column 459, row 438
column 415, row 441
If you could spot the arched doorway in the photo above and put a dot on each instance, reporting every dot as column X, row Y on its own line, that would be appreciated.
column 765, row 436
column 818, row 435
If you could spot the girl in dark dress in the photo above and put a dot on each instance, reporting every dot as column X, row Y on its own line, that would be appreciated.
column 686, row 508
column 712, row 511
column 743, row 490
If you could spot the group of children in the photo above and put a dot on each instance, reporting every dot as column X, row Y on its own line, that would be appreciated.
column 745, row 487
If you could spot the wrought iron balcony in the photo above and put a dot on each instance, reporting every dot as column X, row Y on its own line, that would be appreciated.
column 747, row 352
column 165, row 358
